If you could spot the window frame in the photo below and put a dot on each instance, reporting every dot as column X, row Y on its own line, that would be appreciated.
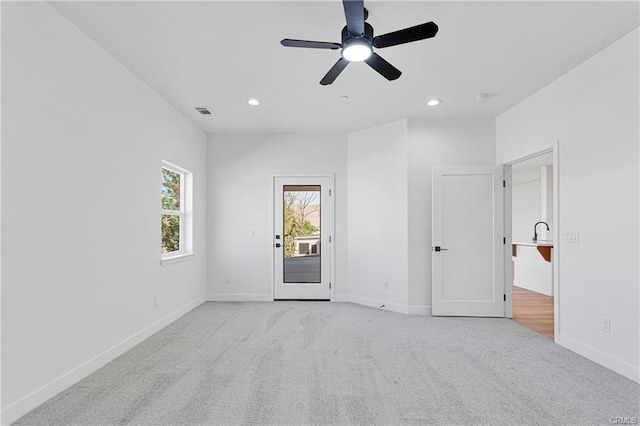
column 185, row 216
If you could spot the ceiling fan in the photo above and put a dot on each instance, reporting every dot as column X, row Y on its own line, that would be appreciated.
column 358, row 42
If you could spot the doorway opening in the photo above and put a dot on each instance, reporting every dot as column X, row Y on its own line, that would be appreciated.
column 532, row 226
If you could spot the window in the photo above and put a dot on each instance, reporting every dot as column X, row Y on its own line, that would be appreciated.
column 176, row 226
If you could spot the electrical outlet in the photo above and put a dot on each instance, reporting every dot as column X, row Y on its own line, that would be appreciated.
column 155, row 301
column 386, row 285
column 227, row 280
column 605, row 324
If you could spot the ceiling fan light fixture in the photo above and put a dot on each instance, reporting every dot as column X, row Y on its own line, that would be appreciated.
column 358, row 41
column 357, row 50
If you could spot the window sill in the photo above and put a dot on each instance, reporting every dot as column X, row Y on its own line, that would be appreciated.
column 176, row 259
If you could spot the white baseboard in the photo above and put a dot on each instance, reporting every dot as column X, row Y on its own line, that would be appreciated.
column 21, row 407
column 340, row 298
column 624, row 368
column 420, row 310
column 236, row 297
column 394, row 307
column 374, row 303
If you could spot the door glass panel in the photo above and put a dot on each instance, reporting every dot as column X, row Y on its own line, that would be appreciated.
column 301, row 225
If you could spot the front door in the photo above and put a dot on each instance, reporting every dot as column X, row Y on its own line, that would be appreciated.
column 302, row 232
column 468, row 241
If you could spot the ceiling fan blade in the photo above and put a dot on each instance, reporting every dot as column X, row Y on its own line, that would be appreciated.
column 310, row 44
column 407, row 35
column 354, row 12
column 385, row 69
column 334, row 72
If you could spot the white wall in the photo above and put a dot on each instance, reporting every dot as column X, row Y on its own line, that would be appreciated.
column 390, row 204
column 82, row 142
column 546, row 203
column 593, row 112
column 526, row 210
column 377, row 218
column 384, row 215
column 238, row 194
column 437, row 142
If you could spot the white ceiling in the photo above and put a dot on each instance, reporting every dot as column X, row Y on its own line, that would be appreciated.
column 219, row 54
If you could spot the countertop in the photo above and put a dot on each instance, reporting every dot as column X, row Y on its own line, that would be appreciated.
column 539, row 243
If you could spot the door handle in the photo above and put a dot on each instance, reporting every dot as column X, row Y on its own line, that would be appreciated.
column 438, row 248
column 277, row 245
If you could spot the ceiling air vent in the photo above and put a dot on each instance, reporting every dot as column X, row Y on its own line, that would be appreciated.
column 203, row 110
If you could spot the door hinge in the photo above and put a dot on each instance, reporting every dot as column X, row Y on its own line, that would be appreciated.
column 329, row 193
column 504, row 297
column 329, row 286
column 504, row 183
column 504, row 240
column 329, row 238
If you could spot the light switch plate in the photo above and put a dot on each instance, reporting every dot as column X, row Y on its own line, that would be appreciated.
column 571, row 236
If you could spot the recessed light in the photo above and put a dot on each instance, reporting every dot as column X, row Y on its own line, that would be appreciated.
column 253, row 102
column 434, row 102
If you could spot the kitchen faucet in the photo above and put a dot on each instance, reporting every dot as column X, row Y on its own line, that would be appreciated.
column 535, row 232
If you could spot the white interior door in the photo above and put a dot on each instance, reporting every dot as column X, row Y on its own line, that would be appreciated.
column 302, row 234
column 467, row 243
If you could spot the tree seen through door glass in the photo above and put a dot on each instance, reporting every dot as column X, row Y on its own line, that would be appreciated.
column 301, row 226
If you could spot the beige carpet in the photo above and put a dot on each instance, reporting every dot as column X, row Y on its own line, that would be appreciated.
column 321, row 363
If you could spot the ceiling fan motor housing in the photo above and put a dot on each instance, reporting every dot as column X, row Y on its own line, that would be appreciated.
column 368, row 35
column 357, row 47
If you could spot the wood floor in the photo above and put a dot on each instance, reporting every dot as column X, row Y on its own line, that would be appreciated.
column 533, row 310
